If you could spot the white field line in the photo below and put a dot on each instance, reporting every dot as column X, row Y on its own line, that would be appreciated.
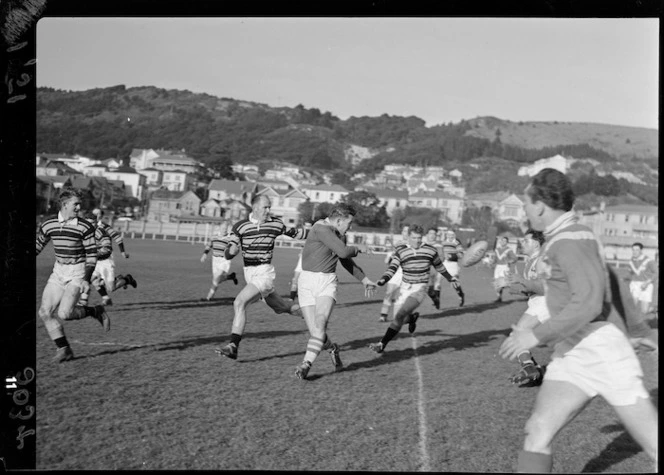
column 425, row 465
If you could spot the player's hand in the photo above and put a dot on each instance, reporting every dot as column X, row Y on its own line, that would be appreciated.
column 125, row 255
column 369, row 287
column 520, row 340
column 85, row 287
column 203, row 257
column 528, row 376
column 382, row 281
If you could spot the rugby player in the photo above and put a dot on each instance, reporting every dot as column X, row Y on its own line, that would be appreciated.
column 642, row 274
column 591, row 356
column 75, row 258
column 435, row 278
column 220, row 265
column 452, row 252
column 317, row 285
column 112, row 282
column 392, row 289
column 505, row 261
column 254, row 236
column 416, row 259
column 296, row 275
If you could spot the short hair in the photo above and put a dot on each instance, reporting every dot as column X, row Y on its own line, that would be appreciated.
column 342, row 210
column 68, row 193
column 553, row 188
column 257, row 198
column 416, row 228
column 537, row 235
column 638, row 244
column 432, row 229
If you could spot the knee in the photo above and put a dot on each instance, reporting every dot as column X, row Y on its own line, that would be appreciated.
column 45, row 313
column 239, row 304
column 64, row 313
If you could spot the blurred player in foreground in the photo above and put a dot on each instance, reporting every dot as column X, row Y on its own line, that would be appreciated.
column 392, row 289
column 591, row 356
column 75, row 258
column 415, row 259
column 505, row 264
column 107, row 270
column 452, row 252
column 254, row 236
column 529, row 284
column 220, row 265
column 317, row 286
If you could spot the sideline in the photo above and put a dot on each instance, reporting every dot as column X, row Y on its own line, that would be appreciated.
column 425, row 465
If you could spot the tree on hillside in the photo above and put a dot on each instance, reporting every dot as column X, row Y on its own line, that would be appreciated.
column 221, row 163
column 367, row 206
column 479, row 219
column 310, row 212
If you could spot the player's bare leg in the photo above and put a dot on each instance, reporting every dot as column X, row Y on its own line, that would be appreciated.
column 248, row 295
column 224, row 276
column 316, row 318
column 403, row 315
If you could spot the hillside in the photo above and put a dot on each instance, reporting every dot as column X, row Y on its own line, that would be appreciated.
column 110, row 122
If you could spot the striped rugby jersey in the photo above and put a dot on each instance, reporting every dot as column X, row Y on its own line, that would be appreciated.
column 452, row 249
column 256, row 240
column 104, row 243
column 415, row 264
column 218, row 245
column 73, row 240
column 113, row 234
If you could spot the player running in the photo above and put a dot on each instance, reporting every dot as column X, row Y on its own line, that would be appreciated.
column 391, row 291
column 112, row 282
column 452, row 252
column 435, row 279
column 75, row 258
column 505, row 260
column 416, row 259
column 317, row 285
column 220, row 265
column 254, row 237
column 642, row 274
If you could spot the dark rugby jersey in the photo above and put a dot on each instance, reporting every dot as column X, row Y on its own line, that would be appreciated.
column 415, row 263
column 218, row 245
column 325, row 247
column 452, row 250
column 73, row 240
column 256, row 240
column 114, row 235
column 104, row 244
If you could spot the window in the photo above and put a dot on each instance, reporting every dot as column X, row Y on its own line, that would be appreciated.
column 627, row 218
column 317, row 195
column 331, row 196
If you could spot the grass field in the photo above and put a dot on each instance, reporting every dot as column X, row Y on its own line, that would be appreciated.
column 152, row 393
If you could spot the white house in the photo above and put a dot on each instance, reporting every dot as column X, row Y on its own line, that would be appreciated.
column 392, row 199
column 451, row 206
column 557, row 162
column 176, row 180
column 243, row 191
column 134, row 181
column 153, row 177
column 325, row 193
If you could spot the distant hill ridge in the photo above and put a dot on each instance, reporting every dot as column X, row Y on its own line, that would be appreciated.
column 109, row 122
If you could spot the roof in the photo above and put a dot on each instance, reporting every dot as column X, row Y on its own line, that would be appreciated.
column 325, row 187
column 493, row 196
column 175, row 171
column 387, row 193
column 650, row 209
column 232, row 186
column 124, row 169
column 167, row 157
column 436, row 194
column 166, row 195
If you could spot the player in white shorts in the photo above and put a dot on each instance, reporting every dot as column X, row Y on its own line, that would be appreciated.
column 643, row 272
column 505, row 261
column 391, row 290
column 221, row 267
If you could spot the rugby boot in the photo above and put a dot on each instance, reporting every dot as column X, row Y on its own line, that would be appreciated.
column 229, row 351
column 303, row 370
column 412, row 324
column 131, row 281
column 336, row 359
column 102, row 317
column 462, row 298
column 377, row 347
column 64, row 354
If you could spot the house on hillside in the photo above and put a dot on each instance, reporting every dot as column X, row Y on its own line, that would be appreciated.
column 48, row 189
column 169, row 161
column 140, row 158
column 505, row 206
column 98, row 169
column 134, row 181
column 392, row 199
column 450, row 206
column 153, row 177
column 176, row 180
column 54, row 168
column 285, row 203
column 165, row 205
column 243, row 191
column 325, row 193
column 416, row 185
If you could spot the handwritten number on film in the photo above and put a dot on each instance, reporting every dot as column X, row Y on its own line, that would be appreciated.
column 22, row 410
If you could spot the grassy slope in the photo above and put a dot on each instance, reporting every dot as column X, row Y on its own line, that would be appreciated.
column 152, row 394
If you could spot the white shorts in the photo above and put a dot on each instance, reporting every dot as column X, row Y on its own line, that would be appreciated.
column 414, row 291
column 452, row 267
column 311, row 285
column 397, row 278
column 66, row 274
column 262, row 277
column 298, row 267
column 599, row 360
column 391, row 292
column 501, row 270
column 220, row 265
column 537, row 308
column 105, row 269
column 638, row 294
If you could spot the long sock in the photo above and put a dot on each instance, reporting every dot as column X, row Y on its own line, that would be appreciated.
column 314, row 346
column 534, row 462
column 389, row 334
column 459, row 291
column 61, row 342
column 235, row 339
column 120, row 281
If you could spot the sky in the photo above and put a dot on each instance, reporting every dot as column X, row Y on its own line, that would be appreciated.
column 438, row 69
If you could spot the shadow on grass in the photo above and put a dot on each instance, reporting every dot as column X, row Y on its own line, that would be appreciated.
column 477, row 308
column 456, row 343
column 171, row 304
column 619, row 449
column 189, row 343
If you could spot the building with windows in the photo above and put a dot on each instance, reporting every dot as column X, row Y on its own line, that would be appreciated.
column 450, row 206
column 325, row 193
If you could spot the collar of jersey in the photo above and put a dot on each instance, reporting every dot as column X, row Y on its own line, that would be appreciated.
column 61, row 219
